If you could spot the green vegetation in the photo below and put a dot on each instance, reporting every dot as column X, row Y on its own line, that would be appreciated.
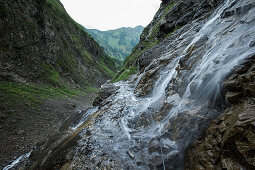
column 149, row 38
column 87, row 56
column 53, row 53
column 150, row 32
column 126, row 74
column 75, row 52
column 118, row 43
column 54, row 77
column 32, row 95
column 102, row 65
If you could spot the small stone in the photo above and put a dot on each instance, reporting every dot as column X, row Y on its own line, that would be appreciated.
column 88, row 133
column 14, row 121
column 130, row 154
column 252, row 43
column 20, row 132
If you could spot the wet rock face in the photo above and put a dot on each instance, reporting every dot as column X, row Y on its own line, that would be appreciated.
column 229, row 141
column 106, row 91
column 241, row 84
column 186, row 11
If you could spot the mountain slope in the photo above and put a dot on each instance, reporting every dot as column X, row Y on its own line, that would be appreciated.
column 41, row 41
column 117, row 43
column 48, row 66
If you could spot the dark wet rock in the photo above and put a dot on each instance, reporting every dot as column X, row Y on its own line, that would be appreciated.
column 233, row 97
column 149, row 55
column 232, row 85
column 106, row 91
column 228, row 142
column 88, row 133
column 183, row 12
column 228, row 14
column 165, row 1
column 238, row 11
column 154, row 146
column 241, row 83
column 185, row 19
column 3, row 116
column 252, row 43
column 130, row 154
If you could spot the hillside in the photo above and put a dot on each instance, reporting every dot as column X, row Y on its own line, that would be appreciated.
column 190, row 106
column 48, row 66
column 118, row 43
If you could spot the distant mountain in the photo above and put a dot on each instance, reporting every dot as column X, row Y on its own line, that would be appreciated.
column 118, row 43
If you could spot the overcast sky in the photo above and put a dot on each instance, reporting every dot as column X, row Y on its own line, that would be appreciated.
column 111, row 14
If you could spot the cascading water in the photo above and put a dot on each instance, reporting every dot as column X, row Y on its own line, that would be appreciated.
column 153, row 131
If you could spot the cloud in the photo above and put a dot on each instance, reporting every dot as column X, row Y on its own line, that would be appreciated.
column 112, row 14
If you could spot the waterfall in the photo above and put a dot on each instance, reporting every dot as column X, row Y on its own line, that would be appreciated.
column 155, row 129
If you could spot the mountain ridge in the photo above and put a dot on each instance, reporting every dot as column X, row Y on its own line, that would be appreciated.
column 117, row 43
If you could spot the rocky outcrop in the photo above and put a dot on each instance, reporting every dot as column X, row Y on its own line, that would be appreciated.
column 229, row 141
column 106, row 91
column 171, row 16
column 241, row 84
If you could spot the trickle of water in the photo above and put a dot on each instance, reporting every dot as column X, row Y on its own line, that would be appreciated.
column 85, row 116
column 17, row 161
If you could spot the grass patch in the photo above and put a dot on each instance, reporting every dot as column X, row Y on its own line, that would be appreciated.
column 104, row 67
column 54, row 77
column 126, row 74
column 32, row 95
column 87, row 56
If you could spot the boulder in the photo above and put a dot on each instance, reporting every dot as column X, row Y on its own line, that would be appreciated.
column 106, row 91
